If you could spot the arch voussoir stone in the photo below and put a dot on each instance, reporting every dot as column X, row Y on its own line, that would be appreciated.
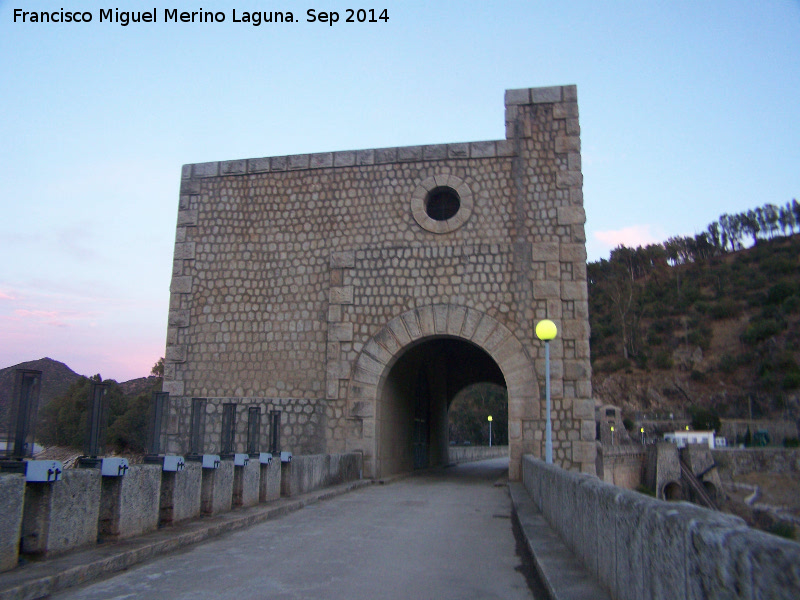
column 426, row 323
column 455, row 319
column 412, row 325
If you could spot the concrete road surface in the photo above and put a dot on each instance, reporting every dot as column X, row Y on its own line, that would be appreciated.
column 444, row 535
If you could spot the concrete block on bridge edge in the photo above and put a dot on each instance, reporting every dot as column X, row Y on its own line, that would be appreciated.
column 12, row 490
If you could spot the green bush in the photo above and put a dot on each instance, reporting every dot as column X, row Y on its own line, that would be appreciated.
column 756, row 300
column 792, row 442
column 663, row 325
column 761, row 330
column 698, row 376
column 613, row 364
column 779, row 265
column 779, row 292
column 727, row 363
column 791, row 305
column 756, row 281
column 702, row 307
column 701, row 337
column 726, row 309
column 704, row 419
column 663, row 360
column 653, row 339
column 791, row 381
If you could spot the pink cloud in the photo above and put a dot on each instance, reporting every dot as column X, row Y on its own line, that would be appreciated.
column 48, row 317
column 6, row 296
column 633, row 236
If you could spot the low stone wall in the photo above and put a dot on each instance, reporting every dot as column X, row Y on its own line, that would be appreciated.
column 459, row 454
column 639, row 547
column 777, row 430
column 308, row 473
column 734, row 462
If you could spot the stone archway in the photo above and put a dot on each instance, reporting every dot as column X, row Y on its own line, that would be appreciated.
column 384, row 349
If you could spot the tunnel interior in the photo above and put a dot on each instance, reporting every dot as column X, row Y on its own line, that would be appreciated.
column 411, row 416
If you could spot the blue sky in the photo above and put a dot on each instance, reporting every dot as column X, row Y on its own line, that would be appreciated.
column 688, row 110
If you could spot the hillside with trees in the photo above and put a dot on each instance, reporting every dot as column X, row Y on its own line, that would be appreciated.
column 706, row 322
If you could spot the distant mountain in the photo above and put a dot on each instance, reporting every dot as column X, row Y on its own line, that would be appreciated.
column 56, row 379
column 134, row 387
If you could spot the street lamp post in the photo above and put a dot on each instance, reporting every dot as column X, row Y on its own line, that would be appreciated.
column 490, row 431
column 641, row 430
column 546, row 330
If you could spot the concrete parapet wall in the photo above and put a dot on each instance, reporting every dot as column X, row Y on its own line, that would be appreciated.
column 246, row 482
column 270, row 484
column 12, row 493
column 459, row 454
column 180, row 494
column 307, row 473
column 129, row 505
column 217, row 492
column 63, row 515
column 642, row 548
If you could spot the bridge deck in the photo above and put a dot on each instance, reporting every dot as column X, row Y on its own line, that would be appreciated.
column 445, row 534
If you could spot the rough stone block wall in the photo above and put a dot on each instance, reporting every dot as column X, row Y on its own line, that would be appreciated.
column 289, row 272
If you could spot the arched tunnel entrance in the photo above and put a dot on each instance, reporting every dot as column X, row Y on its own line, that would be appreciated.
column 411, row 415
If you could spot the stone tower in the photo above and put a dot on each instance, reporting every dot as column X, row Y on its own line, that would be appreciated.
column 357, row 292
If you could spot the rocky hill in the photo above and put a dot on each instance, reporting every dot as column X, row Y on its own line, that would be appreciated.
column 56, row 379
column 717, row 329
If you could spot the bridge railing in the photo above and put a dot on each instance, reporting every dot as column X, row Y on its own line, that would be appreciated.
column 639, row 547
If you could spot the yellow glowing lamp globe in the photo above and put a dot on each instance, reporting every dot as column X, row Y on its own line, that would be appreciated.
column 546, row 330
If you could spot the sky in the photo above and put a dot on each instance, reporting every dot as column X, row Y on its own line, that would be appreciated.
column 688, row 110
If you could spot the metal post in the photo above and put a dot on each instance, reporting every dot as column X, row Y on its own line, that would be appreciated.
column 96, row 420
column 548, row 447
column 275, row 432
column 198, row 426
column 227, row 441
column 158, row 407
column 22, row 414
column 253, row 430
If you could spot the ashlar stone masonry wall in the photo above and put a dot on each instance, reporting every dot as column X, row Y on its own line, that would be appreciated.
column 289, row 271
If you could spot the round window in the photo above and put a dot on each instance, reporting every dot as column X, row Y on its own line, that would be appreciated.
column 442, row 203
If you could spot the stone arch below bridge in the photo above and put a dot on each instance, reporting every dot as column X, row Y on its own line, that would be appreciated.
column 407, row 361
